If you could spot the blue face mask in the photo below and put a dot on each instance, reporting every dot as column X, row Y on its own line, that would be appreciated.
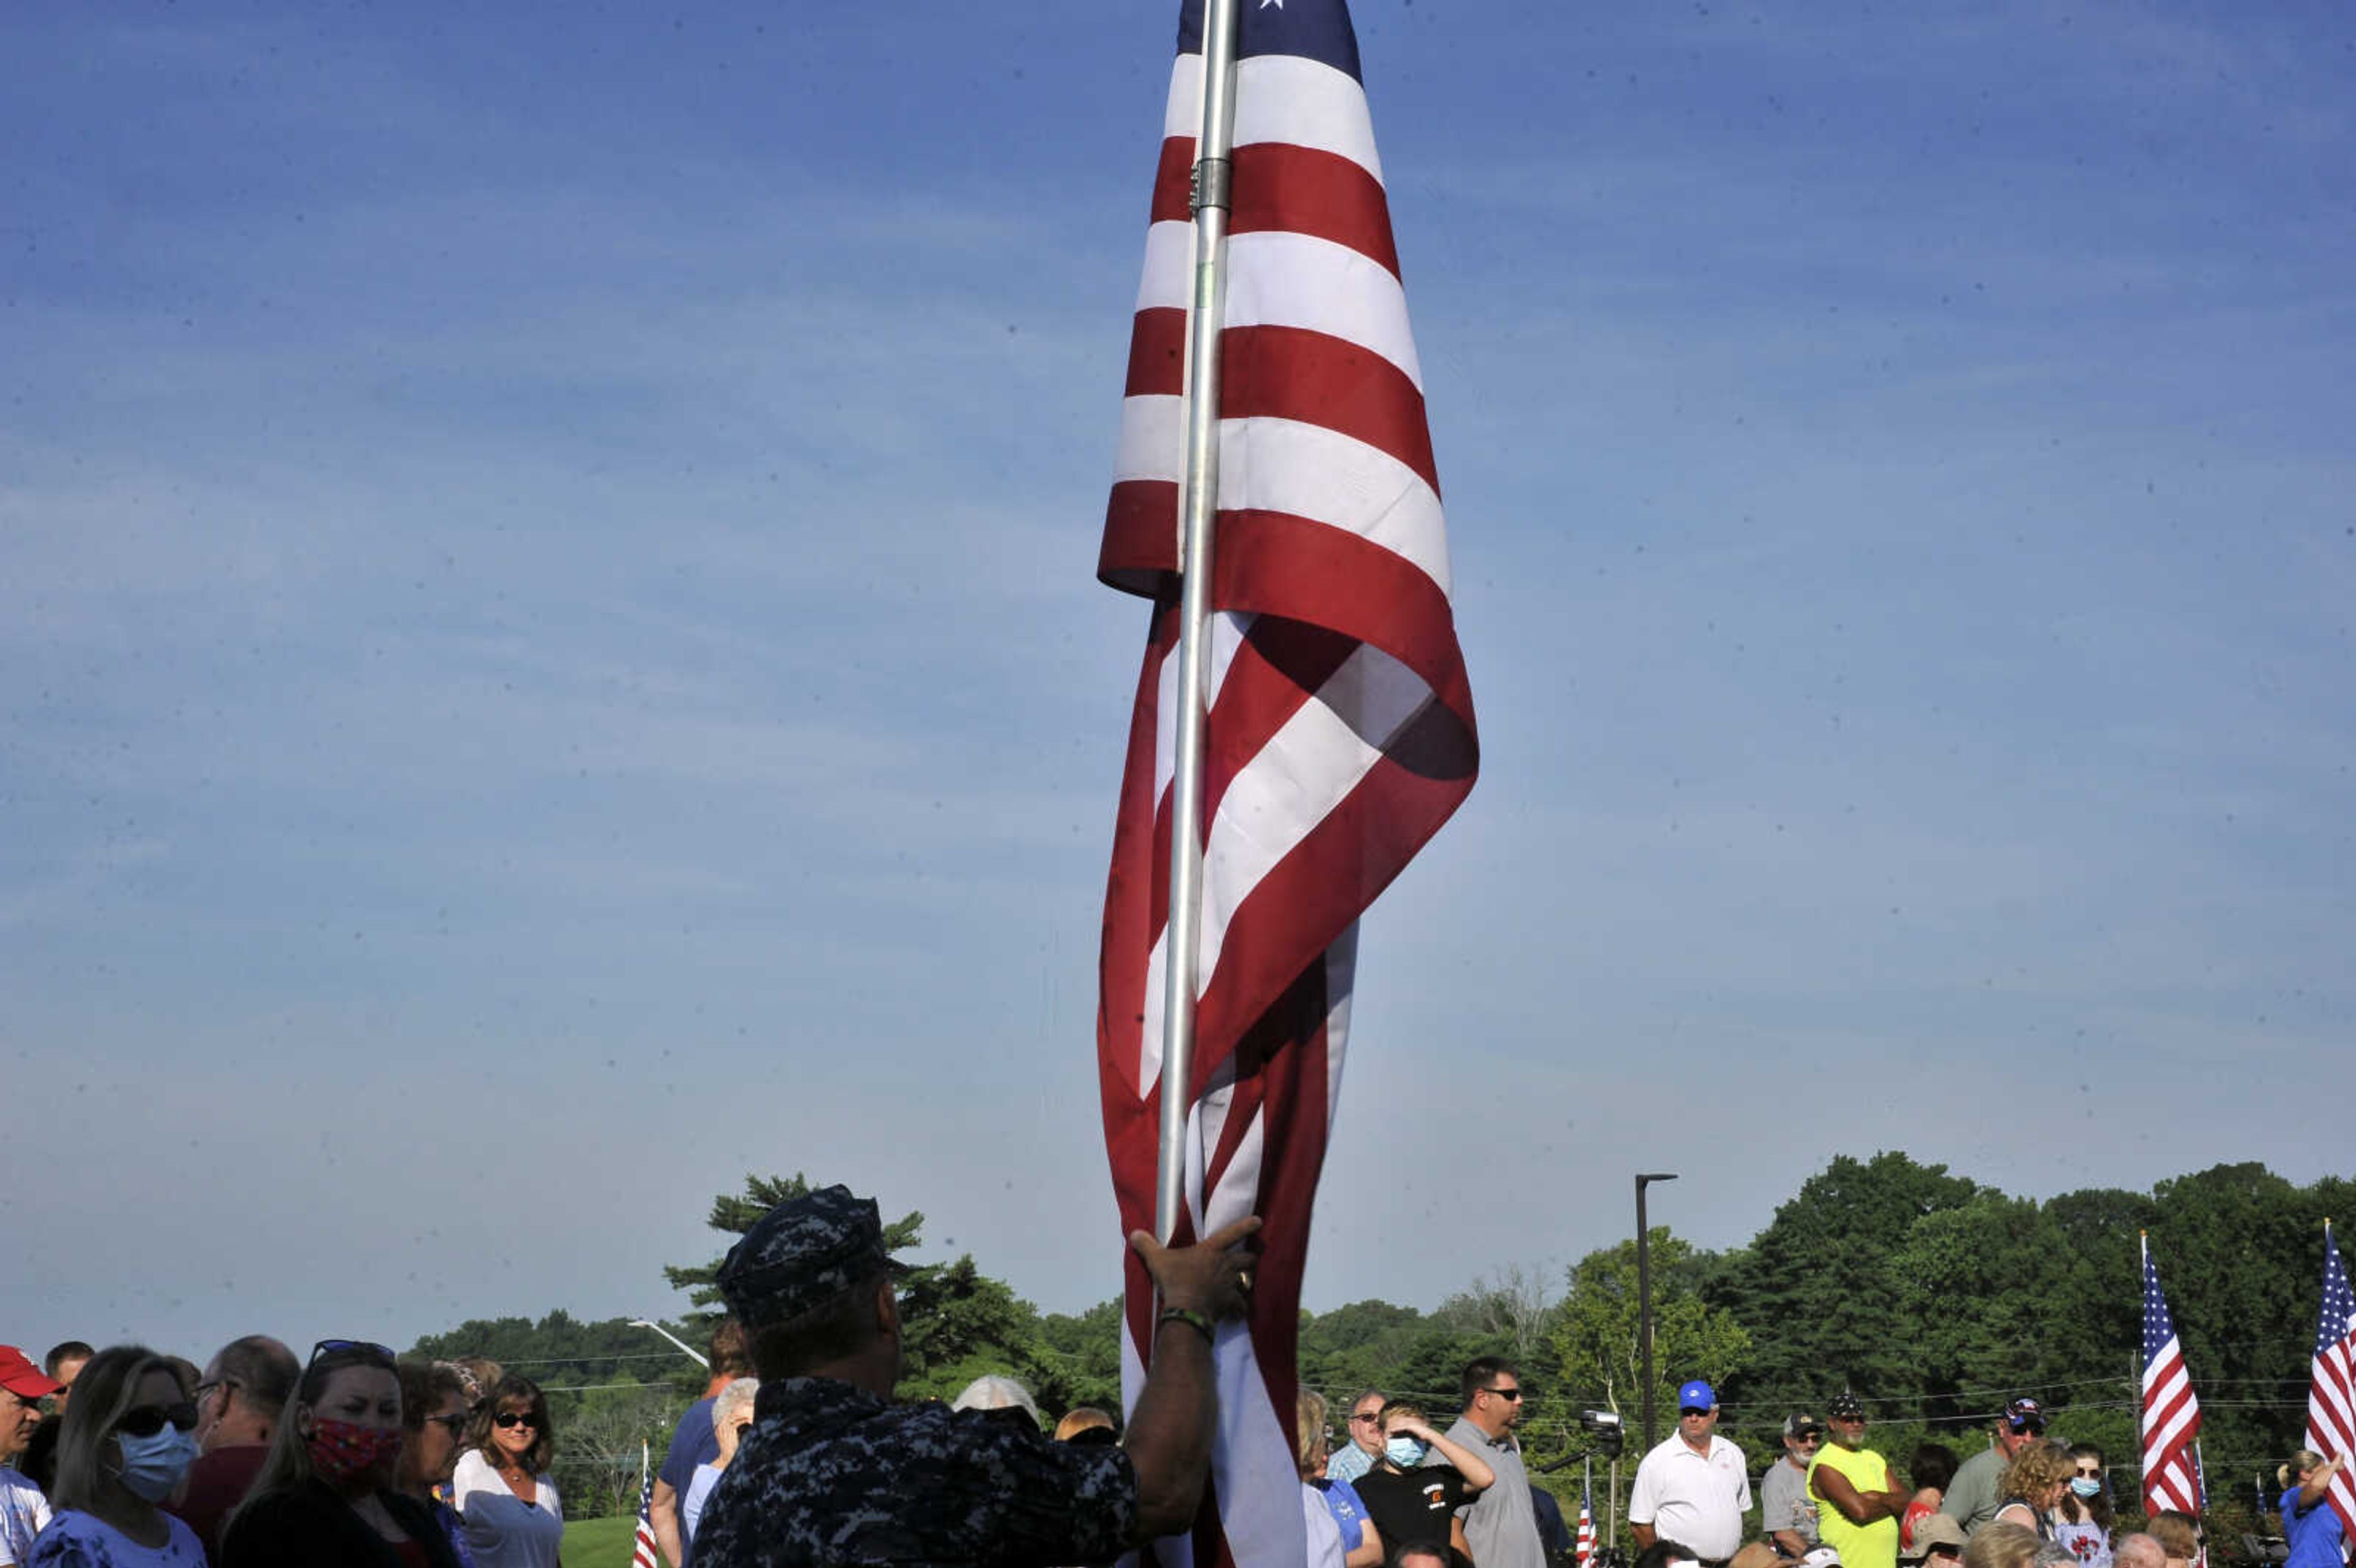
column 152, row 1465
column 1406, row 1453
column 2086, row 1486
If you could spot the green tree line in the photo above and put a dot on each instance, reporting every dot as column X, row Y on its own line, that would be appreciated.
column 1933, row 1296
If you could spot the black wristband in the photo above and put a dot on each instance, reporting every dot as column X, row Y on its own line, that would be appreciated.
column 1191, row 1319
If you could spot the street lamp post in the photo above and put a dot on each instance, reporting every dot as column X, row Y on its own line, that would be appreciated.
column 1644, row 1291
column 690, row 1350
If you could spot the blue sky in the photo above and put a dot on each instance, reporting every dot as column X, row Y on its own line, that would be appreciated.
column 551, row 657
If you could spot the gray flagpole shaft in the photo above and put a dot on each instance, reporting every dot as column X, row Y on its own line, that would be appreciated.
column 2135, row 1361
column 1198, row 504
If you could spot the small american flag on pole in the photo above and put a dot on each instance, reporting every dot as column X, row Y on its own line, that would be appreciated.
column 2331, row 1387
column 2172, row 1416
column 1340, row 731
column 1583, row 1548
column 642, row 1551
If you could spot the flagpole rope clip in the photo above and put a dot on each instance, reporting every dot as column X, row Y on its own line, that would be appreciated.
column 1213, row 182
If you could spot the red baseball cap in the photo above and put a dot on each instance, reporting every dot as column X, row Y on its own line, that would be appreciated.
column 22, row 1378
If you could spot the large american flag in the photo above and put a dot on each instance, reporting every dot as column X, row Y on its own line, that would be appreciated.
column 1341, row 733
column 2331, row 1387
column 2172, row 1416
column 1583, row 1548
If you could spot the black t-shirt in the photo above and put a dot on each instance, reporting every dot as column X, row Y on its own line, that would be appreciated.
column 1415, row 1506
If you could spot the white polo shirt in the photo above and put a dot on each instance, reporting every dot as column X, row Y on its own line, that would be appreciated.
column 1694, row 1499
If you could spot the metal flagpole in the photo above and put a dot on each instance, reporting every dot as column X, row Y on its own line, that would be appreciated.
column 2134, row 1371
column 1615, row 1537
column 1198, row 504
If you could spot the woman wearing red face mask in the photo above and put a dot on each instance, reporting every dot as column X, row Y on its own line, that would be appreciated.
column 327, row 1492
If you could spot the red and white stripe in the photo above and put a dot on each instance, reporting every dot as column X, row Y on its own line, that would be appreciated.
column 2170, row 1415
column 1583, row 1548
column 2332, row 1383
column 642, row 1541
column 1340, row 734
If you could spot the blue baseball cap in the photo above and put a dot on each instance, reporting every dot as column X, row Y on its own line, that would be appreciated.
column 1697, row 1395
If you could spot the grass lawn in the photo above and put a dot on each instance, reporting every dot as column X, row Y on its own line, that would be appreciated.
column 599, row 1543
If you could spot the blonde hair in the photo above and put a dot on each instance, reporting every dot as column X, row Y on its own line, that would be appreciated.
column 1309, row 1430
column 1399, row 1407
column 2038, row 1468
column 2001, row 1545
column 106, row 1388
column 2303, row 1461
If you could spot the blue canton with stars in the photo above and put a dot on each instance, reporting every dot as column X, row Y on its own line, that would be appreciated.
column 1317, row 29
column 2158, row 1328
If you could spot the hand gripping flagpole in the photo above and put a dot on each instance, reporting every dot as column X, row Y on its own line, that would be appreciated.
column 1198, row 507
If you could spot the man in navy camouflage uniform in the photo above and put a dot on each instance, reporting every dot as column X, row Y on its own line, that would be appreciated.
column 833, row 1474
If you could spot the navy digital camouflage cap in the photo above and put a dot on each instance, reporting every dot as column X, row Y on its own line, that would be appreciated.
column 802, row 1254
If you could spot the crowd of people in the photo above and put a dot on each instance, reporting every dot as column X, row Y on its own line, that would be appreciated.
column 797, row 1457
column 2021, row 1501
column 128, row 1458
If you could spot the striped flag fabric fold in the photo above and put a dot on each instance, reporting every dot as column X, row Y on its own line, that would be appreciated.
column 1340, row 732
column 2331, row 1385
column 1583, row 1548
column 642, row 1549
column 2171, row 1415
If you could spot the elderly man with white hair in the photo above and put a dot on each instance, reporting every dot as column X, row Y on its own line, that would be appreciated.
column 731, row 1411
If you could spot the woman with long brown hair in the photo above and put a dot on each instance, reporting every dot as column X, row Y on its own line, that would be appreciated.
column 2082, row 1519
column 502, row 1488
column 327, row 1491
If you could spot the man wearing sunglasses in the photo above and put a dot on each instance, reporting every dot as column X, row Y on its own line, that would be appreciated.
column 1356, row 1457
column 1971, row 1499
column 1500, row 1525
column 833, row 1472
column 1785, row 1511
column 1862, row 1499
column 1695, row 1487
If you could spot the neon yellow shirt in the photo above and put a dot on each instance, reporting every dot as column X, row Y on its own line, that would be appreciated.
column 1871, row 1545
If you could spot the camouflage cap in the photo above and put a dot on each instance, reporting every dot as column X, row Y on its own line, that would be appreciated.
column 802, row 1254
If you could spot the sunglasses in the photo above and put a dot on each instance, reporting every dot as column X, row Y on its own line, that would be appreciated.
column 508, row 1419
column 454, row 1425
column 1509, row 1394
column 146, row 1420
column 351, row 1347
column 1368, row 1415
column 1695, row 1410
